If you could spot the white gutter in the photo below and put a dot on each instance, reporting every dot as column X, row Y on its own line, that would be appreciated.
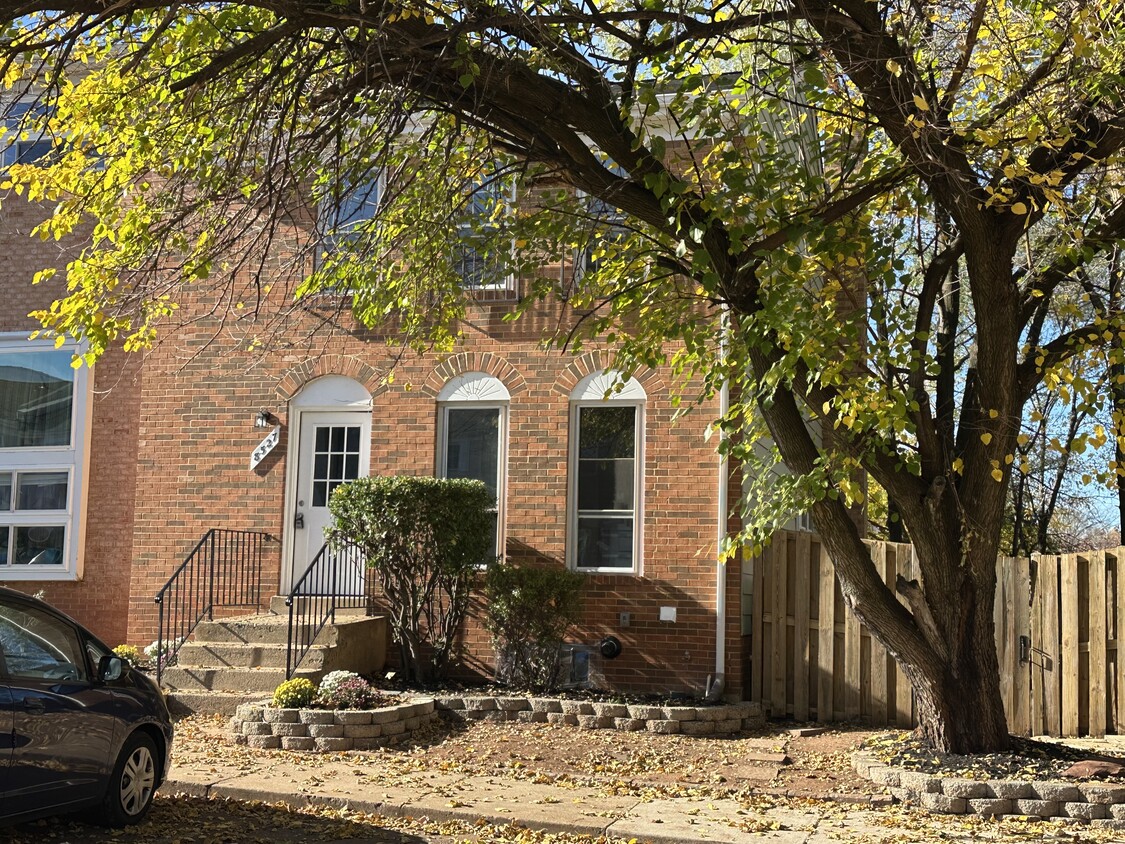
column 717, row 683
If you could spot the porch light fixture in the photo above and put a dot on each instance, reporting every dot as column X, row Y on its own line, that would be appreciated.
column 264, row 419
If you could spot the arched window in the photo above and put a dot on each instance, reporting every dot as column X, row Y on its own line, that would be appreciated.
column 606, row 470
column 473, row 436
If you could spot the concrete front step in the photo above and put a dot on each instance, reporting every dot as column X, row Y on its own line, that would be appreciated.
column 259, row 680
column 278, row 607
column 239, row 655
column 249, row 630
column 209, row 703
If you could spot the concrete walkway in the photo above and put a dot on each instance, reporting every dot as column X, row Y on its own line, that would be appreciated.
column 362, row 783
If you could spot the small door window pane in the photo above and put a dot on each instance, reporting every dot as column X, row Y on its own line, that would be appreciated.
column 39, row 545
column 353, row 439
column 42, row 491
column 322, row 439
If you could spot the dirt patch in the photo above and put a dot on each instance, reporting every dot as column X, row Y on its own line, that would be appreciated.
column 615, row 762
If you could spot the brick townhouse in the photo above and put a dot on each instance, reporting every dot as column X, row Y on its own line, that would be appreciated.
column 109, row 476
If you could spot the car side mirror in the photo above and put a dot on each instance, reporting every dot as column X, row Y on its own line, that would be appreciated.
column 110, row 668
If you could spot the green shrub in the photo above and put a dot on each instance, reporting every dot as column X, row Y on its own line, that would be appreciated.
column 350, row 693
column 528, row 611
column 425, row 538
column 130, row 654
column 293, row 694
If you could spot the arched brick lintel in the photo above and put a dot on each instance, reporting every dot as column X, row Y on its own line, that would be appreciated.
column 591, row 362
column 355, row 368
column 487, row 362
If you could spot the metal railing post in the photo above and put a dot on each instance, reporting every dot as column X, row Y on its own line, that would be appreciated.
column 159, row 637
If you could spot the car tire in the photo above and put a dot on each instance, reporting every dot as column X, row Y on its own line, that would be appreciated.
column 133, row 783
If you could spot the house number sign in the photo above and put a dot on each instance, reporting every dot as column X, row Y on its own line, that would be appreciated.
column 265, row 446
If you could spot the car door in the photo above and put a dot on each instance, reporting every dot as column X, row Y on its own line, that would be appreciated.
column 62, row 723
column 7, row 739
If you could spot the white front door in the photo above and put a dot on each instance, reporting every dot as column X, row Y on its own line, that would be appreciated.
column 334, row 448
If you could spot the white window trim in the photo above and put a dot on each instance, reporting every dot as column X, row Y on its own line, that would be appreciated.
column 73, row 459
column 591, row 392
column 478, row 390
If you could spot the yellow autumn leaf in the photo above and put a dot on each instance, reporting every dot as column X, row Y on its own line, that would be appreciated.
column 997, row 475
column 921, row 103
column 986, row 438
column 1019, row 209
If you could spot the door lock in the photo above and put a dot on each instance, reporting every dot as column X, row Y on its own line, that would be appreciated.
column 299, row 521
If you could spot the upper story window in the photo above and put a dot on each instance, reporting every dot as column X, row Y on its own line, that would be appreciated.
column 483, row 256
column 341, row 215
column 606, row 473
column 473, row 423
column 27, row 138
column 42, row 447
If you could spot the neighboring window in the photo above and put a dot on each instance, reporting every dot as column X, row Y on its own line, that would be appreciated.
column 39, row 646
column 473, row 412
column 607, row 226
column 27, row 142
column 42, row 406
column 606, row 470
column 477, row 260
column 340, row 217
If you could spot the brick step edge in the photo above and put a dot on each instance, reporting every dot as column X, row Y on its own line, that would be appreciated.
column 1101, row 804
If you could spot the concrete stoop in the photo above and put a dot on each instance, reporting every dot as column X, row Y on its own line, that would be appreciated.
column 242, row 659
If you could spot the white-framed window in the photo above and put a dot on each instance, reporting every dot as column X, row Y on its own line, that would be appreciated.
column 43, row 430
column 477, row 259
column 473, row 436
column 606, row 473
column 28, row 140
column 341, row 214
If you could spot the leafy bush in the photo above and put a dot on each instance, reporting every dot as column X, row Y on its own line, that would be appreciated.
column 295, row 693
column 528, row 611
column 425, row 538
column 349, row 693
column 332, row 679
column 130, row 654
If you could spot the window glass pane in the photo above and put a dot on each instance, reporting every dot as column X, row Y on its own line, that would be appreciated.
column 42, row 491
column 320, row 494
column 40, row 646
column 5, row 532
column 336, row 467
column 607, row 431
column 5, row 490
column 36, row 398
column 337, row 439
column 351, row 467
column 38, row 545
column 605, row 542
column 473, row 445
column 320, row 468
column 605, row 484
column 353, row 439
column 322, row 439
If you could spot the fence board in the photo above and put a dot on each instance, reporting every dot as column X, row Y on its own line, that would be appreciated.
column 1038, row 658
column 1068, row 624
column 1021, row 685
column 1052, row 673
column 903, row 694
column 1004, row 630
column 826, row 637
column 1119, row 571
column 852, row 664
column 757, row 669
column 878, row 652
column 802, row 562
column 779, row 568
column 1097, row 661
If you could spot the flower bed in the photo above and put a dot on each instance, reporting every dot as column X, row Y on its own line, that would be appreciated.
column 262, row 725
column 722, row 719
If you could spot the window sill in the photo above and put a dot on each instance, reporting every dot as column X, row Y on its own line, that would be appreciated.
column 15, row 574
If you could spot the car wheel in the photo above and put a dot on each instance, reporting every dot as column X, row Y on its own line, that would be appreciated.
column 133, row 783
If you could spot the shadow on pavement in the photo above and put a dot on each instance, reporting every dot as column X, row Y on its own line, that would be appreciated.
column 180, row 820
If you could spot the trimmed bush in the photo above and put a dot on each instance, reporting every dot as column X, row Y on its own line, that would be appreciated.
column 294, row 694
column 528, row 611
column 425, row 538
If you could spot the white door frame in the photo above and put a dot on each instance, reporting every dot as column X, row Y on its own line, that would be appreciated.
column 328, row 394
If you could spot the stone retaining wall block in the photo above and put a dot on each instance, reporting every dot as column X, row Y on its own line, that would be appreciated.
column 941, row 803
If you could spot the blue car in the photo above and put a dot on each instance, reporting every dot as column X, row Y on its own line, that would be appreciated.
column 79, row 728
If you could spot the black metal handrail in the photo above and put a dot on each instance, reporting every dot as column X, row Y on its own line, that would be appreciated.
column 335, row 579
column 224, row 569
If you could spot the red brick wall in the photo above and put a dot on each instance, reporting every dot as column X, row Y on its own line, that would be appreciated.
column 187, row 415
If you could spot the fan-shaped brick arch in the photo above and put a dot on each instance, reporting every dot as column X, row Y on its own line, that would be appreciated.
column 486, row 362
column 370, row 377
column 592, row 362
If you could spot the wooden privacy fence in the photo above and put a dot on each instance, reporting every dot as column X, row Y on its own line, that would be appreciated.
column 1057, row 623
